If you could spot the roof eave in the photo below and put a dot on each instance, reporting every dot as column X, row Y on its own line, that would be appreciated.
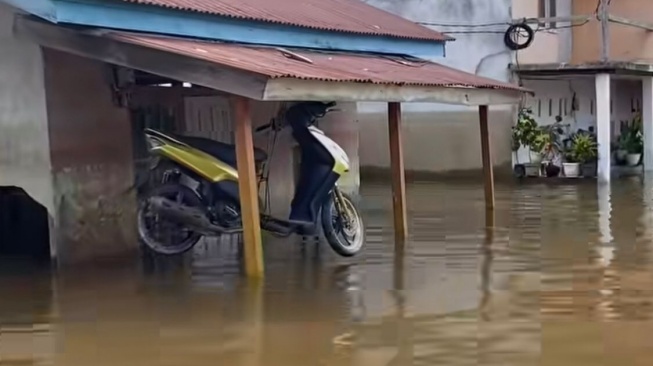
column 281, row 89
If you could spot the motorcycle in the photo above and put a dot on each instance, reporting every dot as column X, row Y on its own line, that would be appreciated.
column 197, row 192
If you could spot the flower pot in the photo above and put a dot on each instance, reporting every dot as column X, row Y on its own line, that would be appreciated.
column 535, row 157
column 633, row 159
column 532, row 170
column 552, row 170
column 588, row 169
column 572, row 170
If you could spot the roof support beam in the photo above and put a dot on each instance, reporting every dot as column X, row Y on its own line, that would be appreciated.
column 299, row 90
column 486, row 155
column 398, row 176
column 179, row 67
column 248, row 189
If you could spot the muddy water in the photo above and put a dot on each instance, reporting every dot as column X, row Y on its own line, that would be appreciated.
column 559, row 275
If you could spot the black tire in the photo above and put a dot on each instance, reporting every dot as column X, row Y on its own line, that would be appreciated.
column 189, row 197
column 514, row 32
column 342, row 246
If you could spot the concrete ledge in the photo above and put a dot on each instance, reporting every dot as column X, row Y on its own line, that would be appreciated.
column 382, row 174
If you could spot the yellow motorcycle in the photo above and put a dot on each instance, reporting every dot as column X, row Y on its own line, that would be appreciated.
column 197, row 193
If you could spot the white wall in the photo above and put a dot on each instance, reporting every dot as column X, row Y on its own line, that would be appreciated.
column 24, row 145
column 439, row 137
column 626, row 96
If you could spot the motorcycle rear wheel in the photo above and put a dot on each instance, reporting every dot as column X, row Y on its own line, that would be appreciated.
column 153, row 238
column 345, row 238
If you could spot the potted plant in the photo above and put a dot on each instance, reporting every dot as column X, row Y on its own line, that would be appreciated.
column 571, row 165
column 631, row 141
column 620, row 148
column 585, row 150
column 526, row 132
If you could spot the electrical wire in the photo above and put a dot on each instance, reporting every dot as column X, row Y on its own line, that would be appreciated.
column 496, row 24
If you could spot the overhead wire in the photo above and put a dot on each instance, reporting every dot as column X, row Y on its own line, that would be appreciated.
column 497, row 24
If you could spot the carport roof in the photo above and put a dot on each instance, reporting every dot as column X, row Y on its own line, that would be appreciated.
column 278, row 63
column 268, row 73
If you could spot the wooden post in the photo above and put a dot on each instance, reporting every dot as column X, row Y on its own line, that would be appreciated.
column 398, row 174
column 248, row 189
column 486, row 153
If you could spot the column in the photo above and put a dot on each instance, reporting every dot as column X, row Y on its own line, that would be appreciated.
column 247, row 186
column 603, row 126
column 398, row 174
column 647, row 121
column 486, row 154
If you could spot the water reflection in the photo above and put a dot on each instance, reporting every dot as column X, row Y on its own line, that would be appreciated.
column 556, row 275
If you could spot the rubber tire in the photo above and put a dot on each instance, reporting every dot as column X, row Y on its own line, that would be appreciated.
column 514, row 46
column 331, row 236
column 164, row 189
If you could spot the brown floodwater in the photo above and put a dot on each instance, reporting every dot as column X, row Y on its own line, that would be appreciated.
column 559, row 275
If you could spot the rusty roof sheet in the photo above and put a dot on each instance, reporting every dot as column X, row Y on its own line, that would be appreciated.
column 314, row 65
column 350, row 16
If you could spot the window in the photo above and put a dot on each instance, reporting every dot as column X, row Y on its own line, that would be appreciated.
column 547, row 9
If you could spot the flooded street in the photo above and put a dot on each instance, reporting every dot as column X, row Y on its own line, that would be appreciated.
column 560, row 275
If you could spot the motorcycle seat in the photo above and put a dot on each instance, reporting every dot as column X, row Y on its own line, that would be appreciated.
column 219, row 150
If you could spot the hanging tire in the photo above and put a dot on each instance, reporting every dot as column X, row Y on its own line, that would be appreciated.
column 175, row 239
column 516, row 31
column 345, row 238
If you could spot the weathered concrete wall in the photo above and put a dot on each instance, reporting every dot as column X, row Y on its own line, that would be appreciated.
column 438, row 137
column 550, row 45
column 436, row 141
column 91, row 153
column 626, row 43
column 24, row 145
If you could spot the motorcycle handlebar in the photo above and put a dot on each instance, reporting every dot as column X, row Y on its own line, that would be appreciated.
column 263, row 128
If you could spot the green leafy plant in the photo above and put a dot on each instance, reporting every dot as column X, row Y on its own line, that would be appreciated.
column 631, row 138
column 584, row 149
column 526, row 129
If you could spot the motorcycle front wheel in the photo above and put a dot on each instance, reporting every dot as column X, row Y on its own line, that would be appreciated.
column 345, row 232
column 161, row 235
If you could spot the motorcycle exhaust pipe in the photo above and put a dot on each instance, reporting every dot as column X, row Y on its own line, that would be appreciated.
column 191, row 217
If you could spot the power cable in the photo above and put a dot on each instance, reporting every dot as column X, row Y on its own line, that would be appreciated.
column 497, row 24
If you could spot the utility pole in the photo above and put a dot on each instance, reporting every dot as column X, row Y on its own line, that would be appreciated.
column 604, row 17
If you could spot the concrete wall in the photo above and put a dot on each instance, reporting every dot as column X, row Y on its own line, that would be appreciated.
column 24, row 144
column 550, row 45
column 626, row 43
column 437, row 137
column 91, row 153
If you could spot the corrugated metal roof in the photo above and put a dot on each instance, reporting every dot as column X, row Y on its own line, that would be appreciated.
column 351, row 16
column 335, row 67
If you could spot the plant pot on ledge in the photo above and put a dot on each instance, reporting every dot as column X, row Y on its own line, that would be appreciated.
column 633, row 159
column 589, row 170
column 581, row 156
column 571, row 170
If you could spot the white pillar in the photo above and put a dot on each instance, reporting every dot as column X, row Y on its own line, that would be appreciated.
column 647, row 121
column 603, row 126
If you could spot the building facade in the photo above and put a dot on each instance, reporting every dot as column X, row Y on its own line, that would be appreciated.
column 592, row 73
